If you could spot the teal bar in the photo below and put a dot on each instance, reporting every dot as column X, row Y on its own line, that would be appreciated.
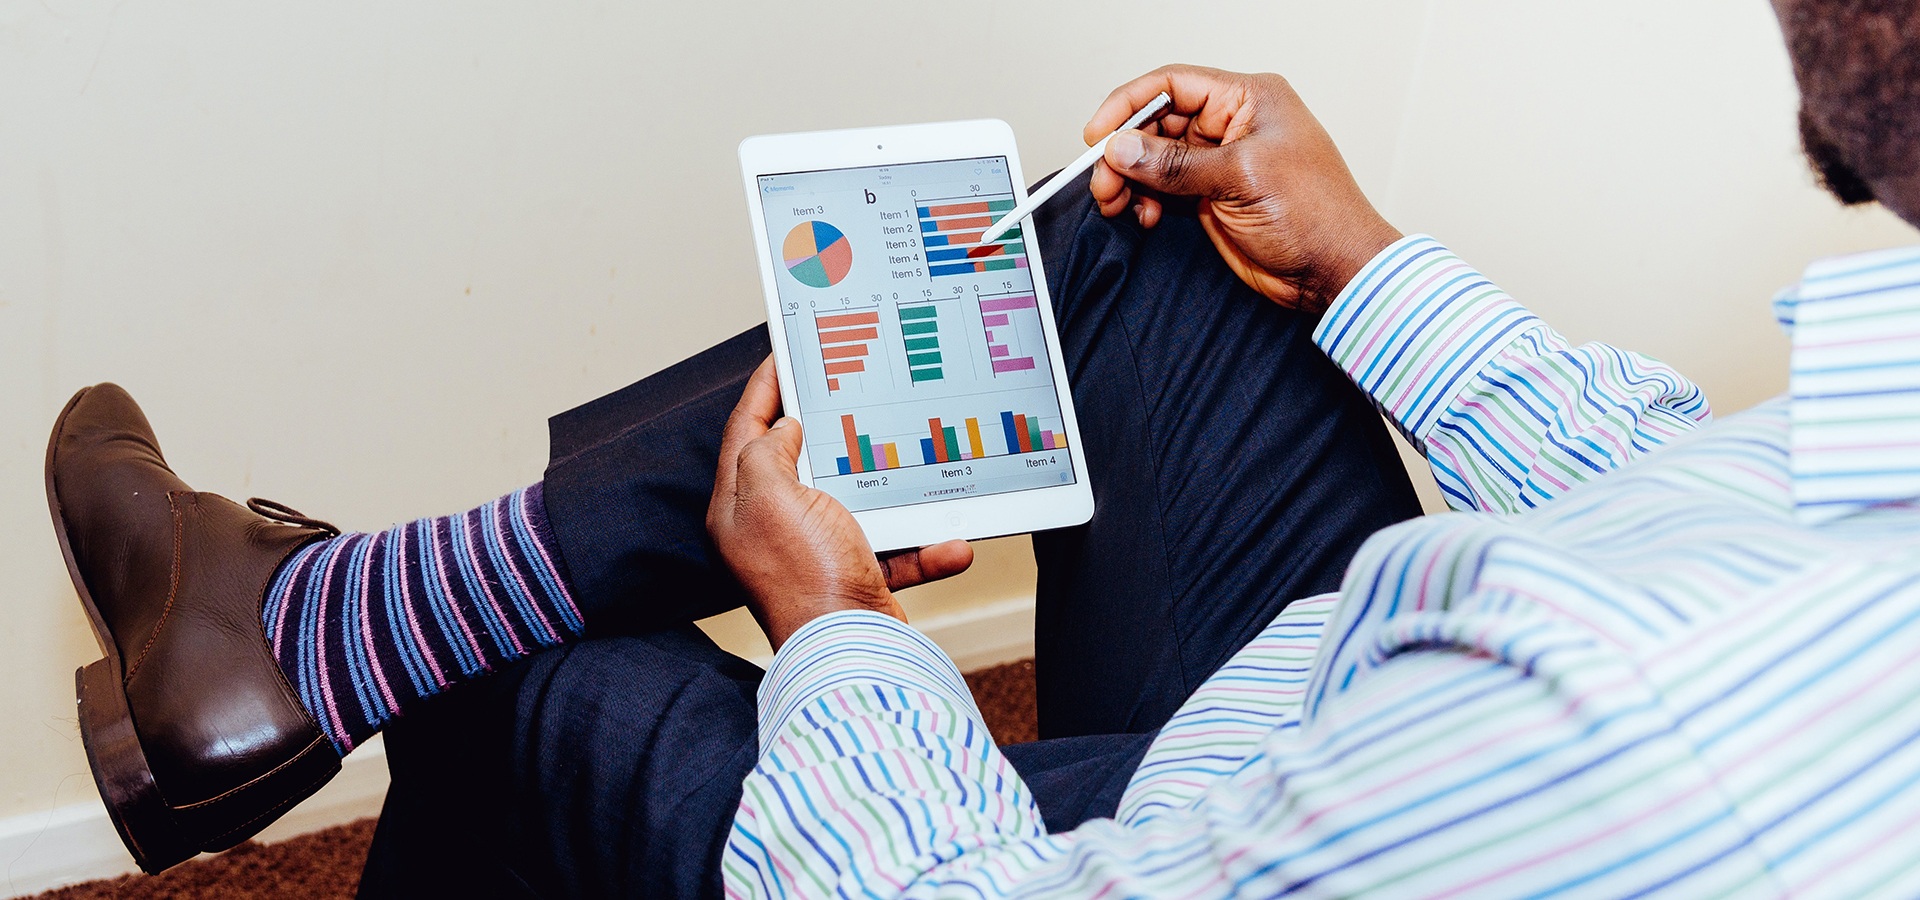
column 953, row 443
column 918, row 312
column 919, row 375
column 993, row 265
column 1033, row 430
column 928, row 327
column 866, row 454
column 929, row 343
column 921, row 359
column 999, row 205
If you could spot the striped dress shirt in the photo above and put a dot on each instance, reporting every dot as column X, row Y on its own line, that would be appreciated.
column 1672, row 679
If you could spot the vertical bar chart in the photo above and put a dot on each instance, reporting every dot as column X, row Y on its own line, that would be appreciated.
column 950, row 231
column 920, row 332
column 863, row 455
column 846, row 340
column 1024, row 434
column 996, row 317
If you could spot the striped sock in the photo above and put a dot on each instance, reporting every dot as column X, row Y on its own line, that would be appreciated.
column 367, row 625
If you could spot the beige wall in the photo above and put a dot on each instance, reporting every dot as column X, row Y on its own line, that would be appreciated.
column 350, row 255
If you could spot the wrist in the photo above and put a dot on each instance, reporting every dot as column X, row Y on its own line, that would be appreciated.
column 1346, row 258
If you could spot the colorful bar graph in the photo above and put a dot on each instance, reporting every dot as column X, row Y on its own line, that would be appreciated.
column 845, row 342
column 863, row 455
column 944, row 443
column 920, row 334
column 951, row 229
column 996, row 319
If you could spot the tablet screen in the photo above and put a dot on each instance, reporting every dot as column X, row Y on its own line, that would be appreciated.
column 917, row 350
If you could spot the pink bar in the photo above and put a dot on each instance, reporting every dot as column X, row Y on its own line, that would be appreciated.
column 995, row 319
column 1020, row 263
column 1013, row 365
column 1046, row 440
column 998, row 350
column 1003, row 304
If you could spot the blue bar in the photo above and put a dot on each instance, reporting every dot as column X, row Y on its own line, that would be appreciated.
column 947, row 254
column 950, row 269
column 926, row 211
column 845, row 468
column 936, row 240
column 927, row 225
column 1013, row 436
column 926, row 450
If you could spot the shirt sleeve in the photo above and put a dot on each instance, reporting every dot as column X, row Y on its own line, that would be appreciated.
column 1506, row 410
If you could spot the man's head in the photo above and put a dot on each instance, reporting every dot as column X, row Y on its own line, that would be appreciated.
column 1858, row 64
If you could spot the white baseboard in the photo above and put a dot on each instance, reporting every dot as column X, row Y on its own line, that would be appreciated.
column 40, row 851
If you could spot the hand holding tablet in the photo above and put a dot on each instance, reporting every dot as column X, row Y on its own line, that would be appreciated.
column 922, row 361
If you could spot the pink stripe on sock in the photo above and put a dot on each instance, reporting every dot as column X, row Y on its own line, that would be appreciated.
column 546, row 559
column 446, row 587
column 413, row 620
column 366, row 625
column 305, row 558
column 503, row 529
column 466, row 533
column 340, row 734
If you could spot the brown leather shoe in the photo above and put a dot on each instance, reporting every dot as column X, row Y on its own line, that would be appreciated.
column 195, row 739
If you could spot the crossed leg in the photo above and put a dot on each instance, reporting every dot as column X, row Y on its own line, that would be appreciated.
column 1234, row 469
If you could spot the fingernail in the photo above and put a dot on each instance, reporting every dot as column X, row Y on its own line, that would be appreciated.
column 1126, row 148
column 784, row 422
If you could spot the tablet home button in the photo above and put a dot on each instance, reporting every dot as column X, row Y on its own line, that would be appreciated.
column 956, row 520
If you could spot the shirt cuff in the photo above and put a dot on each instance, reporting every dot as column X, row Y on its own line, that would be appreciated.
column 1415, row 326
column 854, row 648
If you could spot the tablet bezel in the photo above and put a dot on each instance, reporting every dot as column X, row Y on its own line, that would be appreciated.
column 920, row 524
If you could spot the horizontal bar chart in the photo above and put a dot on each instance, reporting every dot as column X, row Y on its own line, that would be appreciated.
column 920, row 337
column 845, row 342
column 997, row 319
column 950, row 232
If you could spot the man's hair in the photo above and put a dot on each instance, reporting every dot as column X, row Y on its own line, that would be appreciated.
column 1858, row 64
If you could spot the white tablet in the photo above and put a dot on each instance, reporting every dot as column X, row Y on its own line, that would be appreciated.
column 924, row 365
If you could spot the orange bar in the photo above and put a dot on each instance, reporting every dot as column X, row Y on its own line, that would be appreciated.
column 939, row 441
column 973, row 438
column 844, row 351
column 849, row 334
column 853, row 444
column 1020, row 429
column 859, row 318
column 956, row 209
column 954, row 239
column 833, row 384
column 846, row 367
column 967, row 224
column 893, row 455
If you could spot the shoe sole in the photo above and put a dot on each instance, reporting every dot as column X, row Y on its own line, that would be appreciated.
column 146, row 823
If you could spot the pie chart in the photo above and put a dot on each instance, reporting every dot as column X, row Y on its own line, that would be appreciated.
column 817, row 254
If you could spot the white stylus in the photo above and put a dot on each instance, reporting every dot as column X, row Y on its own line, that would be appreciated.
column 1072, row 171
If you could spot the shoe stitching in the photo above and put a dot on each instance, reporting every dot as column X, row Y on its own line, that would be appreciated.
column 173, row 582
column 294, row 797
column 255, row 781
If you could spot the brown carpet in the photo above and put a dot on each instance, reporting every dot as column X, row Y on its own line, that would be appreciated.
column 326, row 864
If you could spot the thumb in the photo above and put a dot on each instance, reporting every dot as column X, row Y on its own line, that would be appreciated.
column 773, row 454
column 1170, row 166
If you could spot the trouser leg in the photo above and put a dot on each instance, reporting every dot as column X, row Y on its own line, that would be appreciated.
column 1234, row 470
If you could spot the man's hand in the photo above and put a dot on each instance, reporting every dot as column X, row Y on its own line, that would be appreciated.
column 1273, row 192
column 798, row 552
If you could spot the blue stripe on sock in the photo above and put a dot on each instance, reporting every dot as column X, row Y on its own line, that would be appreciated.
column 412, row 656
column 437, row 601
column 530, row 551
column 522, row 604
column 469, row 575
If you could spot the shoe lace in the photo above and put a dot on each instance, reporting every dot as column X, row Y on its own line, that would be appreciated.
column 280, row 512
